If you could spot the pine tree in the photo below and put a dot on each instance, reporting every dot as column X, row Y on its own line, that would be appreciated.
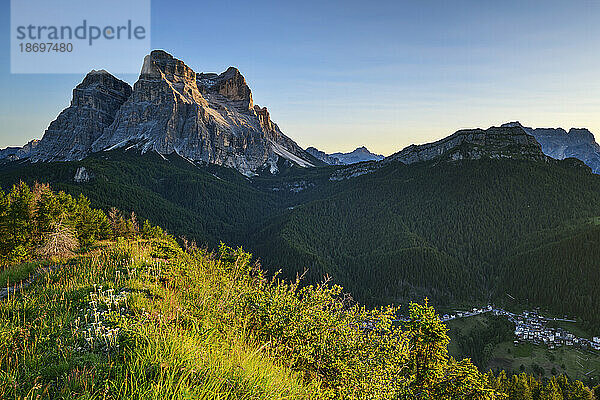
column 18, row 221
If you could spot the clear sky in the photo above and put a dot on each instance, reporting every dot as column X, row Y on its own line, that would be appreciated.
column 385, row 74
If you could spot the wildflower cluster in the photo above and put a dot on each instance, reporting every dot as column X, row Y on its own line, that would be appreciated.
column 96, row 323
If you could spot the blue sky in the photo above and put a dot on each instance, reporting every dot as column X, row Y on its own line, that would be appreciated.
column 337, row 75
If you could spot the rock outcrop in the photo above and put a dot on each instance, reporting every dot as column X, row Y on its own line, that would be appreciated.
column 18, row 153
column 82, row 175
column 559, row 144
column 495, row 142
column 94, row 106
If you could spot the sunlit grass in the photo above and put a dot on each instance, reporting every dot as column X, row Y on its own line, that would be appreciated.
column 171, row 346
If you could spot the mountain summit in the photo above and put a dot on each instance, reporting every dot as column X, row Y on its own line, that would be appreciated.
column 495, row 142
column 204, row 117
column 360, row 154
column 558, row 143
column 96, row 101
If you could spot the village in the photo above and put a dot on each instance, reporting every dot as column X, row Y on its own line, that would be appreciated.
column 532, row 327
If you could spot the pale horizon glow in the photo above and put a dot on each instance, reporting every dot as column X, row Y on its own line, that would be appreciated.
column 384, row 75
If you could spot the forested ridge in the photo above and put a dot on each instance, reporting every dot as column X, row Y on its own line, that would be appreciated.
column 452, row 231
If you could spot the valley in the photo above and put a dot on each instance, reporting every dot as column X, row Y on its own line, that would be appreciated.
column 493, row 341
column 482, row 216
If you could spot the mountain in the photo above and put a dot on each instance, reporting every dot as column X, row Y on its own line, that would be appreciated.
column 321, row 155
column 203, row 117
column 507, row 142
column 558, row 143
column 17, row 153
column 474, row 144
column 449, row 231
column 361, row 154
column 171, row 109
column 96, row 101
column 453, row 220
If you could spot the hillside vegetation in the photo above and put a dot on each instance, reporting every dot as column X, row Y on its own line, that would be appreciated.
column 139, row 317
column 454, row 232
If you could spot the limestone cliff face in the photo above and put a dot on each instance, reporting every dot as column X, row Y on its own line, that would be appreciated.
column 232, row 85
column 171, row 108
column 203, row 117
column 495, row 142
column 95, row 103
column 507, row 142
column 560, row 144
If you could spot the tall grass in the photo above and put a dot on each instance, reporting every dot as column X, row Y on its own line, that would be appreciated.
column 173, row 343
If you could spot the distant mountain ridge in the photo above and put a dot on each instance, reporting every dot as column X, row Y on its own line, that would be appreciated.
column 474, row 144
column 467, row 144
column 202, row 117
column 360, row 154
column 211, row 118
column 16, row 153
column 559, row 144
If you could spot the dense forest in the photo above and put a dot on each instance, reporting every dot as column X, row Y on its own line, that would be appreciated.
column 116, row 311
column 454, row 232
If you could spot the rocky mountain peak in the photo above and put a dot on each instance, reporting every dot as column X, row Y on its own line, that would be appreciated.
column 230, row 84
column 204, row 117
column 160, row 64
column 95, row 103
column 576, row 143
column 168, row 78
column 514, row 124
column 581, row 135
column 100, row 83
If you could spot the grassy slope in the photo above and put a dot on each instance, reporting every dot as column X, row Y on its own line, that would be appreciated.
column 170, row 344
column 577, row 363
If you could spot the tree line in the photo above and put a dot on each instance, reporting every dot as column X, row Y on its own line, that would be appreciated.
column 36, row 221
